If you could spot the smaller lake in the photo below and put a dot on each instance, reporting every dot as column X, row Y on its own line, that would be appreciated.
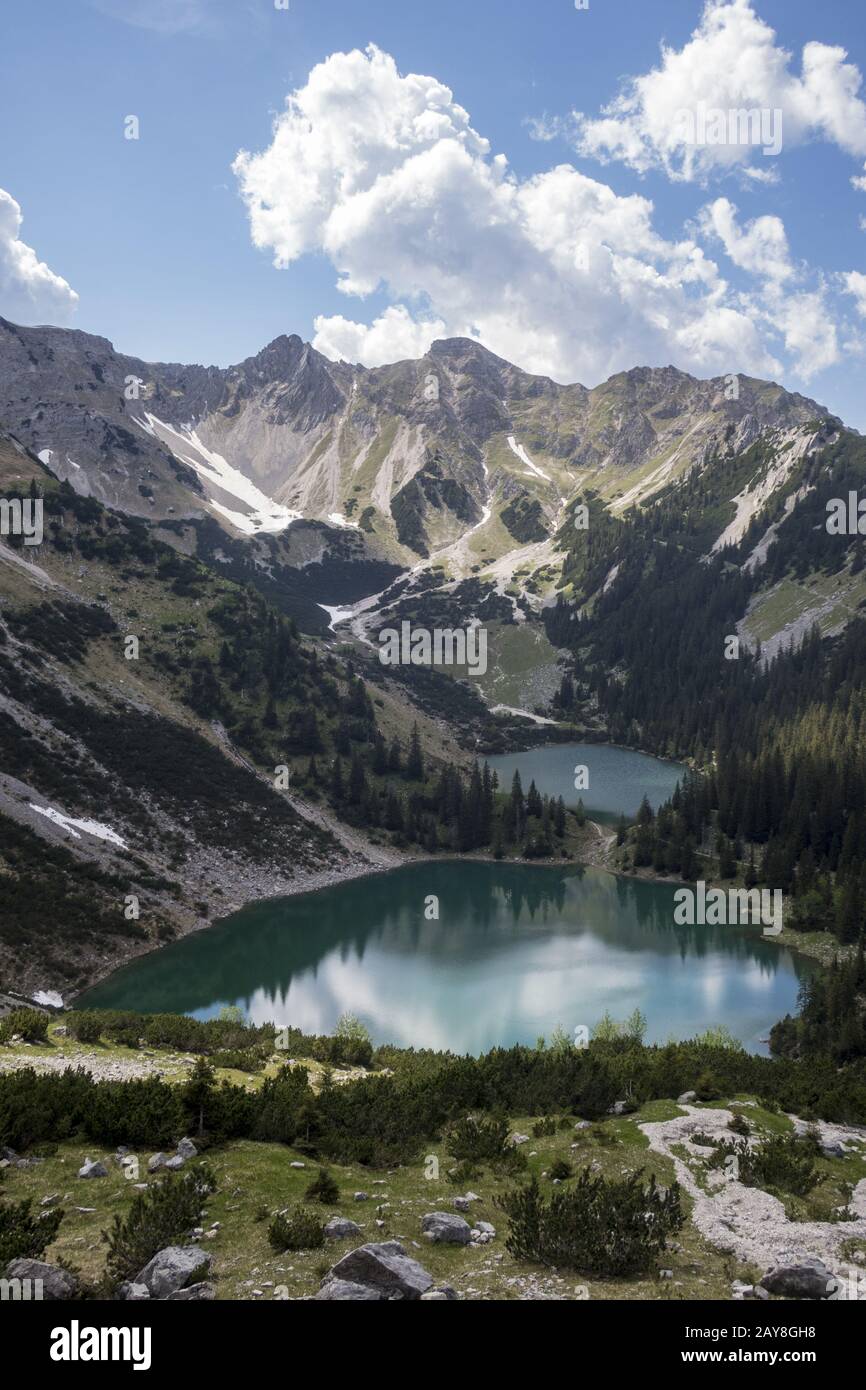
column 618, row 778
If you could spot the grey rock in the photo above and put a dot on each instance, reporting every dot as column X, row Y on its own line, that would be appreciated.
column 57, row 1284
column 443, row 1294
column 173, row 1164
column 193, row 1293
column 384, row 1267
column 174, row 1268
column 517, row 1139
column 341, row 1228
column 832, row 1148
column 133, row 1293
column 186, row 1149
column 687, row 1097
column 803, row 1277
column 461, row 1203
column 92, row 1170
column 361, row 1197
column 485, row 1228
column 443, row 1228
column 343, row 1291
column 156, row 1162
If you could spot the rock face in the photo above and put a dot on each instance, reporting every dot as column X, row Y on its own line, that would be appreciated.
column 803, row 1277
column 385, row 1268
column 156, row 439
column 57, row 1284
column 444, row 1228
column 173, row 1269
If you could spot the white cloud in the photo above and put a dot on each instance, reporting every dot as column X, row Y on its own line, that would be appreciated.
column 731, row 63
column 29, row 291
column 761, row 249
column 392, row 337
column 385, row 175
column 855, row 284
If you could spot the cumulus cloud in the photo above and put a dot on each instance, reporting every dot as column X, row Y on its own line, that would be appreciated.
column 29, row 291
column 762, row 248
column 391, row 337
column 855, row 284
column 664, row 119
column 385, row 175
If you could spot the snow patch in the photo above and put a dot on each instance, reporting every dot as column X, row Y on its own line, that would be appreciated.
column 521, row 453
column 49, row 997
column 89, row 827
column 263, row 513
column 337, row 519
column 337, row 615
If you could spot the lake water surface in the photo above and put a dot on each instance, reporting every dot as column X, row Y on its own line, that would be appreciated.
column 517, row 950
column 618, row 778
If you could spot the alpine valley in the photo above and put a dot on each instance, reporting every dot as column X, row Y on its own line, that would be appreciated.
column 193, row 713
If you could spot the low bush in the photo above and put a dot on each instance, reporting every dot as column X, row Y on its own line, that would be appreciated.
column 163, row 1215
column 598, row 1226
column 23, row 1235
column 298, row 1229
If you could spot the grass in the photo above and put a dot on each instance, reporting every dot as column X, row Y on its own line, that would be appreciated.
column 255, row 1176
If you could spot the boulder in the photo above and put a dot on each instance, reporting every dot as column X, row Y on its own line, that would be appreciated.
column 516, row 1139
column 341, row 1228
column 687, row 1097
column 832, row 1148
column 342, row 1291
column 92, row 1170
column 186, row 1149
column 174, row 1268
column 172, row 1165
column 361, row 1197
column 193, row 1293
column 58, row 1284
column 443, row 1228
column 800, row 1276
column 133, row 1293
column 384, row 1267
column 156, row 1162
column 444, row 1294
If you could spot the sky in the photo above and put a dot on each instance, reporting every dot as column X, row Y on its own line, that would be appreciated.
column 569, row 185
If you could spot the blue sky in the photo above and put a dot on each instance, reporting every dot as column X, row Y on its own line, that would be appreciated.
column 596, row 247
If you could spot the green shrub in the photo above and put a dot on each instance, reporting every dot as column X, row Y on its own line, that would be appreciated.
column 32, row 1025
column 164, row 1214
column 560, row 1169
column 23, row 1235
column 598, row 1226
column 543, row 1128
column 480, row 1139
column 783, row 1162
column 298, row 1229
column 323, row 1189
column 85, row 1027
